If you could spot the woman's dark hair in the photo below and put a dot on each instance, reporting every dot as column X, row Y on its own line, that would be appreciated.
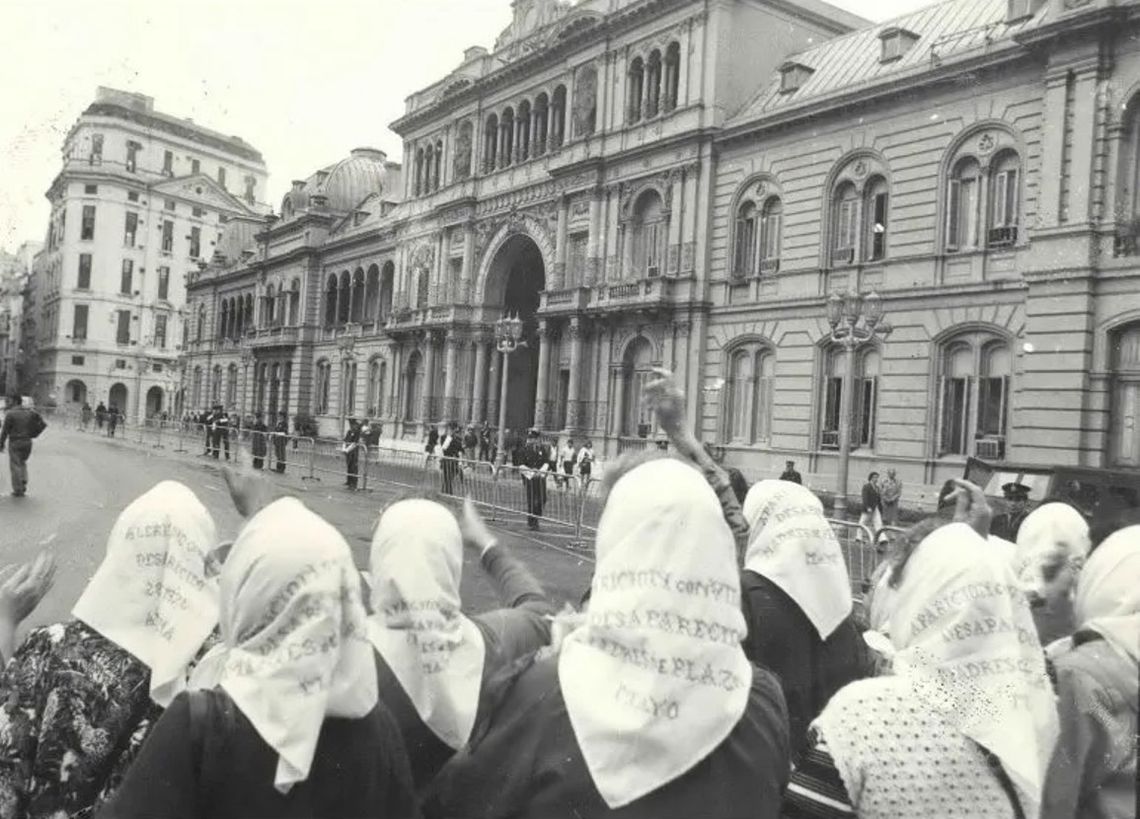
column 739, row 483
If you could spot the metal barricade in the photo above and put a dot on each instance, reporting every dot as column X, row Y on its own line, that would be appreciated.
column 861, row 553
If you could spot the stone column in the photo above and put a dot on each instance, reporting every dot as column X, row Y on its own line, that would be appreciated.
column 601, row 377
column 429, row 381
column 618, row 408
column 493, row 384
column 467, row 276
column 392, row 406
column 479, row 390
column 690, row 232
column 673, row 262
column 451, row 344
column 573, row 394
column 558, row 278
column 595, row 245
column 613, row 244
column 542, row 341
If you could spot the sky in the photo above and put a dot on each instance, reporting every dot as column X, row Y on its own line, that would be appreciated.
column 303, row 82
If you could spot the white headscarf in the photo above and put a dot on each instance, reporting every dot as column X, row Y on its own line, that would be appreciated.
column 965, row 642
column 435, row 652
column 1049, row 527
column 151, row 596
column 657, row 679
column 791, row 543
column 294, row 649
column 1108, row 593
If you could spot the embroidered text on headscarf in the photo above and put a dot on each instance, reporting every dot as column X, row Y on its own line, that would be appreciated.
column 151, row 595
column 660, row 656
column 435, row 652
column 792, row 544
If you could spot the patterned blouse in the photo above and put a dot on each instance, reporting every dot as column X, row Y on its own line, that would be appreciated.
column 75, row 711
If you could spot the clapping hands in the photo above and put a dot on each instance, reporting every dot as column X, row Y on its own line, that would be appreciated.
column 22, row 587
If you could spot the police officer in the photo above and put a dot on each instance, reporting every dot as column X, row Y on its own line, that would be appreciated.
column 535, row 463
column 1008, row 524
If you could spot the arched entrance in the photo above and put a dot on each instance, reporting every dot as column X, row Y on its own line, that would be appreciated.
column 75, row 392
column 118, row 398
column 153, row 401
column 515, row 279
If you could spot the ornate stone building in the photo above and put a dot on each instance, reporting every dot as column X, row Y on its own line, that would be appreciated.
column 682, row 183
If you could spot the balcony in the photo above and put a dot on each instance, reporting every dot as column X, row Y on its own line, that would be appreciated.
column 565, row 301
column 647, row 295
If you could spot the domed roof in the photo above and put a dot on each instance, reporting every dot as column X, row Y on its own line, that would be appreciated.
column 351, row 180
column 238, row 234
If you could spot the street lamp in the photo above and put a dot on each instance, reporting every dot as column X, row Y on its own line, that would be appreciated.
column 508, row 338
column 855, row 320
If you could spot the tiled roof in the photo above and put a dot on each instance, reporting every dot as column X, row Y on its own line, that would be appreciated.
column 950, row 30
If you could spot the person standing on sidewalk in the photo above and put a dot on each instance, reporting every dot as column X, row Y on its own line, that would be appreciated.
column 22, row 425
column 535, row 466
column 112, row 420
column 891, row 490
column 280, row 434
column 258, row 445
column 872, row 516
column 351, row 450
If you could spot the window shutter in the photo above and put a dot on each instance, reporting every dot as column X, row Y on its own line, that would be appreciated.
column 997, row 218
column 1011, row 197
column 953, row 205
column 945, row 431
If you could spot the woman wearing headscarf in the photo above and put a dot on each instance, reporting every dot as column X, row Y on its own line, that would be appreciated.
column 650, row 709
column 965, row 725
column 1093, row 774
column 797, row 601
column 82, row 695
column 1052, row 545
column 284, row 719
column 432, row 660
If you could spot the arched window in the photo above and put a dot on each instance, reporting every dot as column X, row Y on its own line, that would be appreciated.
column 222, row 320
column 371, row 293
column 585, row 116
column 844, row 224
column 282, row 306
column 387, row 287
column 490, row 143
column 771, row 226
column 635, row 85
column 672, row 75
column 216, row 386
column 558, row 118
column 324, row 370
column 357, row 303
column 413, row 386
column 231, row 386
column 344, row 299
column 248, row 311
column 744, row 257
column 429, row 169
column 268, row 304
column 522, row 129
column 463, row 146
column 875, row 206
column 963, row 206
column 637, row 373
column 196, row 389
column 507, row 138
column 1125, row 437
column 749, row 391
column 419, row 178
column 1005, row 200
column 237, row 317
column 865, row 400
column 541, row 123
column 348, row 388
column 421, row 288
column 650, row 230
column 295, row 303
column 201, row 335
column 653, row 85
column 330, row 301
column 377, row 376
column 974, row 370
column 437, row 170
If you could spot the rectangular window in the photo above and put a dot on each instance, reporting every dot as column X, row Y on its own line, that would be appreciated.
column 132, row 196
column 770, row 238
column 168, row 237
column 78, row 360
column 83, row 280
column 845, row 231
column 130, row 230
column 195, row 166
column 96, row 149
column 160, row 331
column 652, row 236
column 745, row 246
column 1005, row 199
column 79, row 323
column 87, row 229
column 250, row 185
column 833, row 395
column 90, row 190
column 765, row 389
column 156, row 368
column 168, row 163
column 877, row 241
column 992, row 398
column 126, row 280
column 866, row 402
column 195, row 242
column 954, row 411
column 169, row 204
column 164, row 283
column 120, row 363
column 198, row 212
column 222, row 177
column 132, row 156
column 123, row 328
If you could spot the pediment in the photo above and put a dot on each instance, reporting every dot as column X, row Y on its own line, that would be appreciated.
column 202, row 190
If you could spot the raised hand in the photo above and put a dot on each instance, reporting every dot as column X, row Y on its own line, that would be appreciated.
column 971, row 507
column 250, row 493
column 475, row 532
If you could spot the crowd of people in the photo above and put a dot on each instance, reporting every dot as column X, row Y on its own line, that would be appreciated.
column 716, row 666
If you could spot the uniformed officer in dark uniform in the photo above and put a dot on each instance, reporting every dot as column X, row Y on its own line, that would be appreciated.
column 259, row 445
column 535, row 462
column 221, row 431
column 1008, row 524
column 280, row 436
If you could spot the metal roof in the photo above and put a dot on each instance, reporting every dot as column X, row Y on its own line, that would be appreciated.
column 946, row 31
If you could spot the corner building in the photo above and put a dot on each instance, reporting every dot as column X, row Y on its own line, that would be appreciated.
column 682, row 184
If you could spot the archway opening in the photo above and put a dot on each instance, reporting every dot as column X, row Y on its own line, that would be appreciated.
column 153, row 401
column 75, row 392
column 515, row 281
column 118, row 398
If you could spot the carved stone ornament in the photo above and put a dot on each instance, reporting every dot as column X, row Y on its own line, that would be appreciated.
column 761, row 190
column 986, row 144
column 860, row 169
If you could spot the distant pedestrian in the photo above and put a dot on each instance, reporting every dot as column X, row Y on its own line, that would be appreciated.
column 258, row 444
column 280, row 436
column 85, row 416
column 891, row 491
column 112, row 420
column 22, row 425
column 451, row 449
column 585, row 462
column 535, row 462
column 486, row 445
column 566, row 461
column 100, row 415
column 351, row 449
column 790, row 473
column 872, row 514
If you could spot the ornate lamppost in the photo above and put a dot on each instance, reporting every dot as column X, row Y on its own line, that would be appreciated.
column 508, row 338
column 855, row 320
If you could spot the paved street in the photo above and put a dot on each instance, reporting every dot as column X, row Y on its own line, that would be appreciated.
column 79, row 482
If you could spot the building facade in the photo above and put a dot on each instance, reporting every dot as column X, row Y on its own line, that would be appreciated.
column 683, row 184
column 138, row 204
